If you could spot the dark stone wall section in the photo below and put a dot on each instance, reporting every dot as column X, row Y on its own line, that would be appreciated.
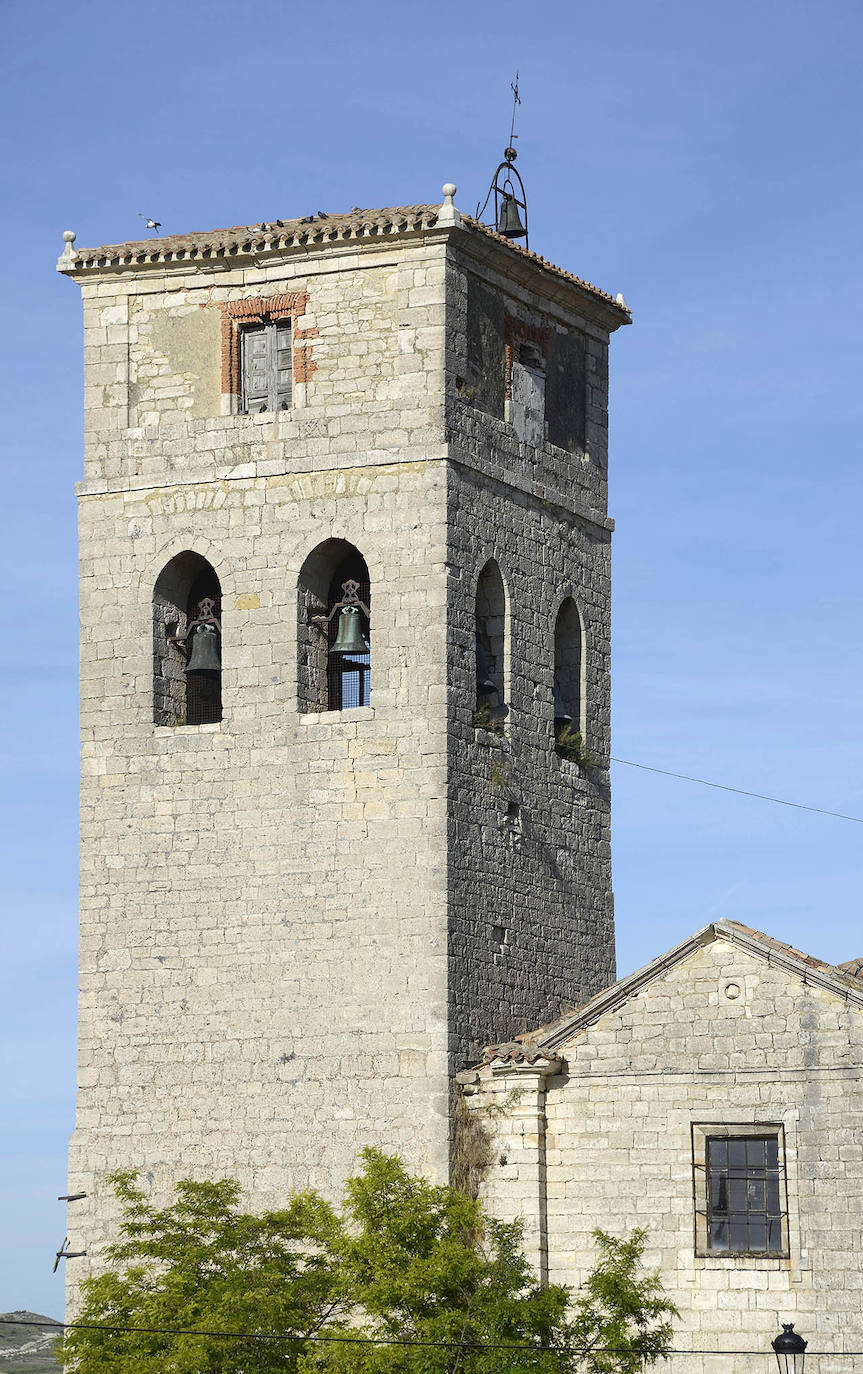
column 484, row 384
column 566, row 391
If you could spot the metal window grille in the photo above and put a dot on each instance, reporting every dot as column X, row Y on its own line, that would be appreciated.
column 267, row 367
column 744, row 1195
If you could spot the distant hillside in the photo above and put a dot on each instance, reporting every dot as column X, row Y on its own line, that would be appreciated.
column 27, row 1349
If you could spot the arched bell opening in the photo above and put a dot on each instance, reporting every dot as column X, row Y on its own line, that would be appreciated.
column 187, row 643
column 334, row 629
column 491, row 708
column 568, row 688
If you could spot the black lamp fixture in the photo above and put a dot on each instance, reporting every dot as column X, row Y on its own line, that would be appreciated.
column 790, row 1349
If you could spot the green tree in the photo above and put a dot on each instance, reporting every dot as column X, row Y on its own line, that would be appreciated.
column 203, row 1265
column 622, row 1310
column 407, row 1262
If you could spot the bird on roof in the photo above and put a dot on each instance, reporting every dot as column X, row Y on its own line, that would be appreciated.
column 322, row 214
column 153, row 224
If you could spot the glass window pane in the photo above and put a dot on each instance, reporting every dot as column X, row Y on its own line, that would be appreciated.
column 719, row 1235
column 757, row 1233
column 772, row 1148
column 737, row 1153
column 737, row 1232
column 755, row 1195
column 774, row 1234
column 717, row 1151
column 773, row 1194
column 718, row 1192
column 737, row 1194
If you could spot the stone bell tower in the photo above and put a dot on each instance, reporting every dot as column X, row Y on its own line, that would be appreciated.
column 344, row 688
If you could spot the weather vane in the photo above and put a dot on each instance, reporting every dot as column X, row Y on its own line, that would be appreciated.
column 507, row 186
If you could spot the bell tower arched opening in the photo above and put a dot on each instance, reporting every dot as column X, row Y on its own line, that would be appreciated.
column 568, row 676
column 187, row 643
column 334, row 629
column 491, row 707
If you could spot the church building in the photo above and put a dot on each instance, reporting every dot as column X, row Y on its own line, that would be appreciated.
column 345, row 793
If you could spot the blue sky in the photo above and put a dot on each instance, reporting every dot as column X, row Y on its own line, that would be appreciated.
column 704, row 158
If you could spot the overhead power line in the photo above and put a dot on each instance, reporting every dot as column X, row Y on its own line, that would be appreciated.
column 740, row 791
column 386, row 1340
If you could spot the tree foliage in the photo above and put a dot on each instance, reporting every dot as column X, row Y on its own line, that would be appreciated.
column 423, row 1270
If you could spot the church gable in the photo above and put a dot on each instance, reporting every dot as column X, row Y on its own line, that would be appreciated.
column 729, row 1002
column 713, row 1098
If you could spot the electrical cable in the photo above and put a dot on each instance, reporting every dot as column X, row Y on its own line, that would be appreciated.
column 740, row 791
column 388, row 1340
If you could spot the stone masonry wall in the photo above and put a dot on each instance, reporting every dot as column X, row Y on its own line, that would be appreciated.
column 531, row 926
column 294, row 926
column 616, row 1149
column 262, row 991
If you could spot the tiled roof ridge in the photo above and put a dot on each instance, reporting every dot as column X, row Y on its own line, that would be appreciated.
column 266, row 233
column 544, row 262
column 210, row 244
column 517, row 1051
column 853, row 968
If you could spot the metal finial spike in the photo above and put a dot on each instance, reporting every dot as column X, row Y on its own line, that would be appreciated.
column 516, row 101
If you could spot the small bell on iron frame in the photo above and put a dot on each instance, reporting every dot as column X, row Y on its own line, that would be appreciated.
column 507, row 188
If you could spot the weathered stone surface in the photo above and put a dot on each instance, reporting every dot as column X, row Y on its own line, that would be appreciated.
column 724, row 1037
column 297, row 924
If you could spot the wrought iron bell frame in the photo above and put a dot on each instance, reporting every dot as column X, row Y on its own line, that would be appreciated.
column 502, row 195
column 344, row 663
column 350, row 599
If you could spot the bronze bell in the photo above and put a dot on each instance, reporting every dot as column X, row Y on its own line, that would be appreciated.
column 561, row 715
column 484, row 685
column 205, row 656
column 509, row 220
column 349, row 636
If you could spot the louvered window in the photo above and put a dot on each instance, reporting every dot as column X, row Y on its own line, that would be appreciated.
column 267, row 372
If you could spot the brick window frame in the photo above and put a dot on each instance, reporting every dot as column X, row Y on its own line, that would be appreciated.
column 238, row 315
column 517, row 332
column 703, row 1133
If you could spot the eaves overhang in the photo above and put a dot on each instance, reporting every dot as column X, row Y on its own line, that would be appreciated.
column 283, row 240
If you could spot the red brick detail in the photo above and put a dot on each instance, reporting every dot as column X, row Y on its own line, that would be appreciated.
column 518, row 332
column 262, row 310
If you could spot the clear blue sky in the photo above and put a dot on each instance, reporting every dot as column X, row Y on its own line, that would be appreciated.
column 705, row 158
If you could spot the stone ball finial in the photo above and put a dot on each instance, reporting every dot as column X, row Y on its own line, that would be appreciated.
column 448, row 215
column 69, row 236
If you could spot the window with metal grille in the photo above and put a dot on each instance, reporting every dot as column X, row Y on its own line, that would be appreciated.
column 740, row 1175
column 267, row 367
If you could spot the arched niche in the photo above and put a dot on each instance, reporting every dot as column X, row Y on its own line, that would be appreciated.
column 187, row 642
column 334, row 629
column 569, row 670
column 491, row 646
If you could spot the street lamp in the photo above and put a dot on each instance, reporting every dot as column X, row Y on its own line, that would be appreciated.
column 790, row 1349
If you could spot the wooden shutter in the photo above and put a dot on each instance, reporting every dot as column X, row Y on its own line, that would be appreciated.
column 267, row 370
column 256, row 389
column 283, row 368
